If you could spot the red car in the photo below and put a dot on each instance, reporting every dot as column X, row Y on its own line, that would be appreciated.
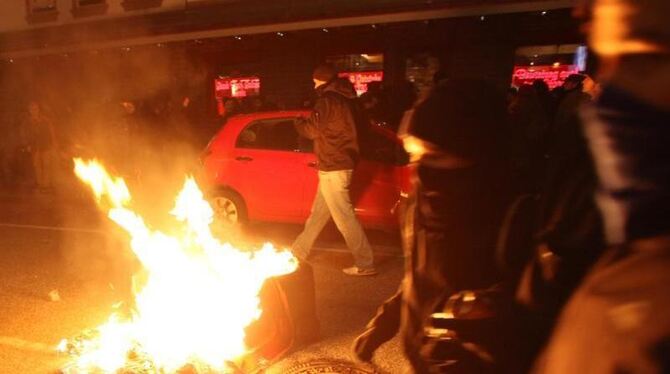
column 258, row 168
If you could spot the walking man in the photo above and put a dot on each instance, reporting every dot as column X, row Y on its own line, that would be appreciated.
column 332, row 127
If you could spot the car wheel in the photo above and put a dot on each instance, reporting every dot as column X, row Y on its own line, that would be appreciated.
column 229, row 208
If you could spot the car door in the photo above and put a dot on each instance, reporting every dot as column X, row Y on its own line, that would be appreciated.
column 375, row 193
column 270, row 170
column 378, row 180
column 311, row 181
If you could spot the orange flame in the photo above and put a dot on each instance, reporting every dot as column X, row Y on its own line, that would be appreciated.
column 199, row 296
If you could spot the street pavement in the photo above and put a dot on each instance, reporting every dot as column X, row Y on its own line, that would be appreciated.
column 64, row 265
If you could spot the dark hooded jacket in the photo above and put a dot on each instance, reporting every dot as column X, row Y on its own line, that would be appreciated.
column 618, row 319
column 332, row 126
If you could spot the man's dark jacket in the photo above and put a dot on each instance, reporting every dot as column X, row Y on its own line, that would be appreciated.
column 332, row 126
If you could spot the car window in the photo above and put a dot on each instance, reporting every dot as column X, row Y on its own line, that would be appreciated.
column 272, row 134
column 305, row 145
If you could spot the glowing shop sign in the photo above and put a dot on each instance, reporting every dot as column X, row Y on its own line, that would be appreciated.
column 553, row 75
column 360, row 79
column 237, row 87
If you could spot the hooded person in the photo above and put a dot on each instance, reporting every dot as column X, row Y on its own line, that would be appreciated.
column 332, row 127
column 618, row 319
column 462, row 187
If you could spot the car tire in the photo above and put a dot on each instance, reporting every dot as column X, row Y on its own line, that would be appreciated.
column 229, row 208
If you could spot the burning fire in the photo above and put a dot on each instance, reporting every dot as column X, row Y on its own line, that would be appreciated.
column 199, row 295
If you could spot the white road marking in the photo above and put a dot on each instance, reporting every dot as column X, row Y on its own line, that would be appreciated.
column 26, row 345
column 384, row 250
column 51, row 228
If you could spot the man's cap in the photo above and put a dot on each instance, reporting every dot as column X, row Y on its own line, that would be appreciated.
column 325, row 73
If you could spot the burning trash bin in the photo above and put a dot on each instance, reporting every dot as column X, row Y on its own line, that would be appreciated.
column 198, row 309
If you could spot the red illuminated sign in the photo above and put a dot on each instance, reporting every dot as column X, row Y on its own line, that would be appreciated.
column 360, row 79
column 236, row 87
column 553, row 75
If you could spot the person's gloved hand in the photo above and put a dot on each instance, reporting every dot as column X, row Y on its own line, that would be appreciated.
column 382, row 328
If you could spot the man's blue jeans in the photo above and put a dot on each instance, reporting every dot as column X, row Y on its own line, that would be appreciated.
column 332, row 199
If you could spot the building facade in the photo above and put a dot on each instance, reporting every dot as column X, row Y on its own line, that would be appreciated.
column 80, row 51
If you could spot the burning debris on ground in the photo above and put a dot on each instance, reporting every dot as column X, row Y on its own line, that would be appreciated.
column 137, row 361
column 195, row 299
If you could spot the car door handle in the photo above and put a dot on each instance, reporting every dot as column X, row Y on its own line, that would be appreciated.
column 244, row 158
column 312, row 164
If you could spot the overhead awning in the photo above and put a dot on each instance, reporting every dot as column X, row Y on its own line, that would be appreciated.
column 171, row 27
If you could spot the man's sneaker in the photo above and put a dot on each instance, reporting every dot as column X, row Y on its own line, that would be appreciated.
column 355, row 270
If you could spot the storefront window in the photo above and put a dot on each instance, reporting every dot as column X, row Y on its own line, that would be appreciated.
column 357, row 62
column 140, row 4
column 41, row 6
column 41, row 10
column 83, row 8
column 89, row 2
column 360, row 69
column 552, row 63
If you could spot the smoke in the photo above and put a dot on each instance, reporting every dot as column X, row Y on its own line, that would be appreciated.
column 127, row 108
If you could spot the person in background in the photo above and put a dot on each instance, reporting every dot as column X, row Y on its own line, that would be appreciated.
column 591, row 87
column 41, row 141
column 256, row 104
column 179, row 121
column 618, row 319
column 511, row 98
column 124, row 136
column 400, row 97
column 529, row 125
column 332, row 127
column 231, row 106
column 544, row 96
column 572, row 98
column 9, row 147
column 566, row 237
column 372, row 103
